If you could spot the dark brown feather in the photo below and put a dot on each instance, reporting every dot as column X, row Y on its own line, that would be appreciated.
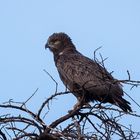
column 83, row 76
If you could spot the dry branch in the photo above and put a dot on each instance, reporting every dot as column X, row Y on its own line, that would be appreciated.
column 94, row 122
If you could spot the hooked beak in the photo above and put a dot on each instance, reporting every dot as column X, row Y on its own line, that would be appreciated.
column 46, row 46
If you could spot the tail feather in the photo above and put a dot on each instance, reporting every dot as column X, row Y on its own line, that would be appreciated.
column 124, row 105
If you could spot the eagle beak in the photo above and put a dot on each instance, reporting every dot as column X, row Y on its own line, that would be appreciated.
column 46, row 46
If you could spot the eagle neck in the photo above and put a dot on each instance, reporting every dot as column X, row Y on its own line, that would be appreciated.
column 64, row 53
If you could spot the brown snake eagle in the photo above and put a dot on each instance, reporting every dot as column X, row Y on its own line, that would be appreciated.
column 85, row 78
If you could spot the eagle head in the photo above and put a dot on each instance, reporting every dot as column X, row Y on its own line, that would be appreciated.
column 58, row 42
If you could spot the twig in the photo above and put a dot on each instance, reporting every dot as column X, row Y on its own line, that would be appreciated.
column 30, row 97
column 46, row 102
column 52, row 79
column 62, row 119
column 3, row 135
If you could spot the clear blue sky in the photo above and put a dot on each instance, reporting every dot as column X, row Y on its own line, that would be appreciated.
column 25, row 26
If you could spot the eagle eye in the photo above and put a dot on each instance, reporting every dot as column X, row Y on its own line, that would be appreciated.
column 57, row 42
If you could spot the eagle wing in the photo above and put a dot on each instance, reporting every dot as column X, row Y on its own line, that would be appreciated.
column 80, row 73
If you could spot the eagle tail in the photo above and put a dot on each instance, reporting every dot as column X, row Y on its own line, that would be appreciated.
column 124, row 105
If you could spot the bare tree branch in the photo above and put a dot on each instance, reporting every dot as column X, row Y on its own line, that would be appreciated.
column 94, row 122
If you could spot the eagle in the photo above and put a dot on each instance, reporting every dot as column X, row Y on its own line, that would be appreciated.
column 85, row 78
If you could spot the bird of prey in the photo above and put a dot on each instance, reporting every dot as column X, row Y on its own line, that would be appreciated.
column 84, row 77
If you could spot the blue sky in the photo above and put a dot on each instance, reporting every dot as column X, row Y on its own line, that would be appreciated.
column 25, row 26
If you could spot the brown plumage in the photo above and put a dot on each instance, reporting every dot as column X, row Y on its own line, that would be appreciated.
column 85, row 78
